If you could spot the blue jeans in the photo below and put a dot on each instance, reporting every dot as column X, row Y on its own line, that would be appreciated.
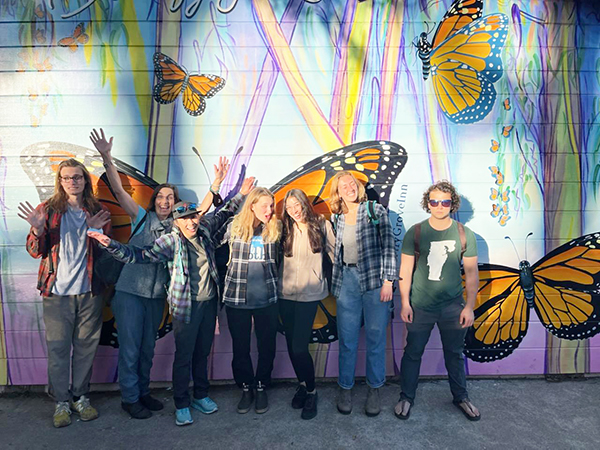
column 352, row 307
column 138, row 320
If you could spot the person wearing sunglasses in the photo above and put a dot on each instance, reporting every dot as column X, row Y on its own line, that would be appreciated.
column 431, row 292
column 192, row 292
column 71, row 291
column 364, row 270
column 139, row 300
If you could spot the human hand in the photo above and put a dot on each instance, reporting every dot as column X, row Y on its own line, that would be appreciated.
column 103, row 146
column 34, row 217
column 386, row 293
column 406, row 314
column 102, row 238
column 247, row 186
column 466, row 317
column 221, row 170
column 98, row 220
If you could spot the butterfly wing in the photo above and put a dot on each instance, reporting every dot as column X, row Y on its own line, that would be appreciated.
column 198, row 88
column 567, row 282
column 172, row 79
column 460, row 14
column 501, row 315
column 375, row 163
column 464, row 66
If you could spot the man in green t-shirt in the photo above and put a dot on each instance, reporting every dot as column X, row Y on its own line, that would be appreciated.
column 432, row 293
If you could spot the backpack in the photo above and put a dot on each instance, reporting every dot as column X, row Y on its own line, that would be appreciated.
column 371, row 214
column 417, row 238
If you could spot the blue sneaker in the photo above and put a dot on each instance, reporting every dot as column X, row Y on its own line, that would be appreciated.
column 205, row 405
column 183, row 417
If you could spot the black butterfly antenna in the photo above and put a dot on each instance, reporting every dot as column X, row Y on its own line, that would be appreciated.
column 514, row 246
column 201, row 162
column 527, row 237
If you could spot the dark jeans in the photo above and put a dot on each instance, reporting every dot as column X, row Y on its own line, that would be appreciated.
column 138, row 319
column 193, row 342
column 298, row 318
column 265, row 328
column 73, row 325
column 453, row 341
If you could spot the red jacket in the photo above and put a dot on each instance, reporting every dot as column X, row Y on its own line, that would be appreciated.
column 46, row 246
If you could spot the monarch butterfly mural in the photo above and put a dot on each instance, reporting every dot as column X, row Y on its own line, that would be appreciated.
column 174, row 79
column 464, row 60
column 563, row 288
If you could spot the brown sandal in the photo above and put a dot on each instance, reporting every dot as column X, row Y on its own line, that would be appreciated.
column 468, row 409
column 402, row 409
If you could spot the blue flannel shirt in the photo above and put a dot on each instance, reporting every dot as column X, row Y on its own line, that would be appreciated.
column 376, row 260
column 172, row 249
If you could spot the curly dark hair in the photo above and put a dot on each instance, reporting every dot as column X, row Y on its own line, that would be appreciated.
column 442, row 186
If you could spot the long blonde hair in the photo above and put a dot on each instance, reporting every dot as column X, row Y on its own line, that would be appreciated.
column 337, row 205
column 242, row 225
column 58, row 202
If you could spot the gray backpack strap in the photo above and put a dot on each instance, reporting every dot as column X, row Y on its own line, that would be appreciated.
column 463, row 239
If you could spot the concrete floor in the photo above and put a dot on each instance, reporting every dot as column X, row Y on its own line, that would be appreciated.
column 516, row 414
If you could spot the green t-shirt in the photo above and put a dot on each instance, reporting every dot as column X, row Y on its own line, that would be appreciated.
column 437, row 280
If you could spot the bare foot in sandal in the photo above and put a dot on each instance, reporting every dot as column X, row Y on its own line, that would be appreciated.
column 468, row 409
column 402, row 409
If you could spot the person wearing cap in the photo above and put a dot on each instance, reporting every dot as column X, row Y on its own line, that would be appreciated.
column 189, row 251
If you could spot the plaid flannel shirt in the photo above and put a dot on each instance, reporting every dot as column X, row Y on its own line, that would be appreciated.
column 172, row 249
column 46, row 246
column 376, row 260
column 236, row 280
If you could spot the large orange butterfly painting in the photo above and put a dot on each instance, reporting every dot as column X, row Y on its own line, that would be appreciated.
column 173, row 79
column 563, row 288
column 464, row 60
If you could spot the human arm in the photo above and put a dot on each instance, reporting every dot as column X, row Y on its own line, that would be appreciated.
column 329, row 240
column 471, row 286
column 221, row 170
column 104, row 147
column 160, row 251
column 215, row 222
column 36, row 218
column 388, row 251
column 407, row 263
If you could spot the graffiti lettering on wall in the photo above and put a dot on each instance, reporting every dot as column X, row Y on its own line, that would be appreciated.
column 502, row 102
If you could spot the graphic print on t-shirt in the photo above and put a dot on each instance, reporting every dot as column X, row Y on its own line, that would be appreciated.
column 257, row 250
column 438, row 255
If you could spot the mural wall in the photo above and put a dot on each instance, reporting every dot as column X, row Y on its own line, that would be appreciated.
column 500, row 97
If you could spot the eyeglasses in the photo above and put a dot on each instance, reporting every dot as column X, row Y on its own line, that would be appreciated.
column 445, row 203
column 187, row 207
column 76, row 178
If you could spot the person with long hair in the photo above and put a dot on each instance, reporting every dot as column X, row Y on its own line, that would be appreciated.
column 364, row 270
column 250, row 292
column 72, row 303
column 192, row 293
column 139, row 301
column 307, row 239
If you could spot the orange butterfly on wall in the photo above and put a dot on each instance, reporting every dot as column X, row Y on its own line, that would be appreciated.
column 563, row 288
column 78, row 37
column 173, row 79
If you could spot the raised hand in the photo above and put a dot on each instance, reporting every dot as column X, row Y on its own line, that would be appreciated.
column 35, row 217
column 221, row 170
column 103, row 146
column 98, row 220
column 247, row 186
column 101, row 238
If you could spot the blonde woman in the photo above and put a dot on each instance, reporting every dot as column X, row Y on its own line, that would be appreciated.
column 364, row 270
column 250, row 292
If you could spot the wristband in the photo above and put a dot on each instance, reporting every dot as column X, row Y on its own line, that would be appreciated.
column 214, row 191
column 97, row 230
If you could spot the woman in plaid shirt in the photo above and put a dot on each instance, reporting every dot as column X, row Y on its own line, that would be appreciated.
column 364, row 270
column 251, row 293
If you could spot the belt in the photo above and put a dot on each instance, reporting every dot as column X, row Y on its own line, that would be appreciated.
column 349, row 265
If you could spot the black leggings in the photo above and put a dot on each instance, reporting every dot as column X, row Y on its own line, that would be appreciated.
column 298, row 318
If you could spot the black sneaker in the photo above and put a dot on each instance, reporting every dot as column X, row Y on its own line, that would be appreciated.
column 246, row 401
column 310, row 406
column 151, row 403
column 299, row 397
column 136, row 410
column 262, row 402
